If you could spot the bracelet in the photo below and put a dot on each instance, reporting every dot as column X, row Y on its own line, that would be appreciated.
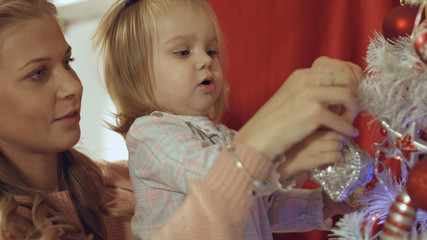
column 256, row 185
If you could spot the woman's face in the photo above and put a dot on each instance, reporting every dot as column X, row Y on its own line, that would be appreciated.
column 40, row 94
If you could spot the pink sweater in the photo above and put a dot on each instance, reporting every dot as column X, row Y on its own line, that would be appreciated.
column 217, row 207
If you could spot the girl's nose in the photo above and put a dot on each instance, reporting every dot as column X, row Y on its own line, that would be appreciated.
column 204, row 61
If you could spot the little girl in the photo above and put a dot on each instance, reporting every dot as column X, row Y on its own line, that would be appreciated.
column 165, row 73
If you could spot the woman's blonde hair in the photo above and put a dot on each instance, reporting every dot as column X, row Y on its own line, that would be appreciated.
column 125, row 38
column 79, row 175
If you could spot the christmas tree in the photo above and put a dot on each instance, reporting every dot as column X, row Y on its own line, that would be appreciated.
column 393, row 204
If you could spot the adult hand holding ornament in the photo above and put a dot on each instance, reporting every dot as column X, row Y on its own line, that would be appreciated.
column 341, row 178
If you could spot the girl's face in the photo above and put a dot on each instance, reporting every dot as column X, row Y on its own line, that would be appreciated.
column 187, row 72
column 40, row 93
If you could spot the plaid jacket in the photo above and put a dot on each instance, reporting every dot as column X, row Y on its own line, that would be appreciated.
column 167, row 151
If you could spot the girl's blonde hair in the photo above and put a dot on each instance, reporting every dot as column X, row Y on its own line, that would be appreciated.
column 79, row 175
column 125, row 38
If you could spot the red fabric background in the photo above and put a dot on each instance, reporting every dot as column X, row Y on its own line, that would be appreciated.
column 267, row 40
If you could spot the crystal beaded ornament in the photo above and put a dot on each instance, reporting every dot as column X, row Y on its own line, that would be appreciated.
column 340, row 179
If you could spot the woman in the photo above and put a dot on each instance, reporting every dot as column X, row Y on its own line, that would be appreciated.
column 42, row 178
column 48, row 190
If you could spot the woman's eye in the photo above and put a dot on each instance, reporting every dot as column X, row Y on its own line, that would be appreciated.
column 39, row 74
column 182, row 53
column 67, row 62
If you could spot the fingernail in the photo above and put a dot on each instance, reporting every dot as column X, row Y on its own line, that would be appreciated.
column 355, row 132
column 345, row 140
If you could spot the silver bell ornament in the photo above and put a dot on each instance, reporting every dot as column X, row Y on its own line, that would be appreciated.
column 341, row 178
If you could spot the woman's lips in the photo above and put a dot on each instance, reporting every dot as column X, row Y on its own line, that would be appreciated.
column 71, row 117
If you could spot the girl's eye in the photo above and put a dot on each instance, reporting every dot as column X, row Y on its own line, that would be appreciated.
column 67, row 62
column 39, row 74
column 182, row 53
column 212, row 53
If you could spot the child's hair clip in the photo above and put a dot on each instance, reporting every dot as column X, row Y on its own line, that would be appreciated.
column 129, row 2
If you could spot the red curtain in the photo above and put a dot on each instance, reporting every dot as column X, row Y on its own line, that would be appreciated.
column 266, row 40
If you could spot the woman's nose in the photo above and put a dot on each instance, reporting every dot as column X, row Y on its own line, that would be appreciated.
column 70, row 85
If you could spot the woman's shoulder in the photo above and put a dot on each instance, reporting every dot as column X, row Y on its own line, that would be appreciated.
column 118, row 187
column 115, row 173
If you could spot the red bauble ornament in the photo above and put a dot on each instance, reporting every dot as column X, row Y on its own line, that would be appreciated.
column 420, row 41
column 417, row 184
column 399, row 22
column 376, row 226
column 400, row 219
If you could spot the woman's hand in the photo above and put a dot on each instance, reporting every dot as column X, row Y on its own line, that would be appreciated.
column 301, row 106
column 319, row 148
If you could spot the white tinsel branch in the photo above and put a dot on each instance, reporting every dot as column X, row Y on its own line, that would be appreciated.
column 349, row 228
column 375, row 205
column 394, row 89
column 378, row 201
column 413, row 2
column 395, row 86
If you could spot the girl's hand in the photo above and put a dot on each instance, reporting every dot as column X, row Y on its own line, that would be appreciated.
column 301, row 106
column 332, row 208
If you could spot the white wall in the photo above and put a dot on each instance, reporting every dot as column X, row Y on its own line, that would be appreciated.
column 96, row 141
